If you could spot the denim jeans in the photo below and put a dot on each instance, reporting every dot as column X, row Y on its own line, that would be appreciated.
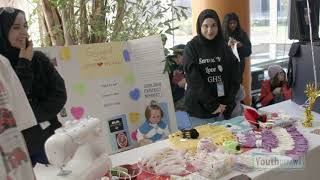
column 238, row 109
column 39, row 157
column 183, row 120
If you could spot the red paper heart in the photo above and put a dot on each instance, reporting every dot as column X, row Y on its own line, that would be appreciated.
column 99, row 64
column 77, row 112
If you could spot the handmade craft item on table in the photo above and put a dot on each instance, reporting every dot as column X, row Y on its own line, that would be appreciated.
column 247, row 139
column 269, row 139
column 211, row 161
column 231, row 147
column 190, row 134
column 235, row 125
column 253, row 117
column 166, row 162
column 124, row 172
column 265, row 139
column 78, row 149
column 300, row 143
column 206, row 144
column 312, row 94
column 267, row 120
column 217, row 134
column 211, row 168
column 286, row 141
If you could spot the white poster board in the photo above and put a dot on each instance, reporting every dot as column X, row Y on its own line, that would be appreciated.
column 115, row 82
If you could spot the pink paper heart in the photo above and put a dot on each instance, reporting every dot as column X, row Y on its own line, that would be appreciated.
column 77, row 112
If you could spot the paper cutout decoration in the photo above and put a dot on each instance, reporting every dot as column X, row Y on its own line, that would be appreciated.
column 105, row 60
column 77, row 112
column 135, row 94
column 65, row 53
column 134, row 117
column 99, row 64
column 79, row 88
column 126, row 55
column 129, row 78
column 134, row 135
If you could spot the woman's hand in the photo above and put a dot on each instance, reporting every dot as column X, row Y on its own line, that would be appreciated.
column 220, row 109
column 182, row 83
column 231, row 42
column 276, row 91
column 239, row 44
column 27, row 53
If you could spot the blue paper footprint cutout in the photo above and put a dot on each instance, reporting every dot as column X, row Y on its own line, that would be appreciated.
column 135, row 94
column 126, row 55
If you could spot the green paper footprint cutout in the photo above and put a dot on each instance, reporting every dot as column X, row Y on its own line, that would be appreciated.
column 80, row 88
column 129, row 78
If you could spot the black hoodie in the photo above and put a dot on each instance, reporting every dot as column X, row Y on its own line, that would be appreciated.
column 207, row 63
column 42, row 84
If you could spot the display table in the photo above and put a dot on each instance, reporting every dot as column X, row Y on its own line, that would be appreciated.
column 312, row 158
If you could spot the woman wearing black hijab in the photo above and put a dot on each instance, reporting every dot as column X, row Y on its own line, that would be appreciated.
column 212, row 73
column 233, row 33
column 42, row 84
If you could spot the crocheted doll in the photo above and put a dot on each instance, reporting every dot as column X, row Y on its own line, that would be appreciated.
column 154, row 128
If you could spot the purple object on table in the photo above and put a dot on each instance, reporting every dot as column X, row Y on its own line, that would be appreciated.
column 300, row 143
column 269, row 140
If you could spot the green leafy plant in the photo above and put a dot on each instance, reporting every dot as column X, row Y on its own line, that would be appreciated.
column 91, row 21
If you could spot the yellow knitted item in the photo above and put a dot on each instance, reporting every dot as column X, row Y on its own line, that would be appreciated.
column 218, row 134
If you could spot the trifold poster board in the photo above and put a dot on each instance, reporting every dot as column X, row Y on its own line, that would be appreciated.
column 115, row 82
column 15, row 115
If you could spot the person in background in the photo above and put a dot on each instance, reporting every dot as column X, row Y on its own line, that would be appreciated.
column 275, row 89
column 212, row 73
column 177, row 79
column 42, row 84
column 233, row 33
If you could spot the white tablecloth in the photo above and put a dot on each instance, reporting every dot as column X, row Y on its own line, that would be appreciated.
column 312, row 158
